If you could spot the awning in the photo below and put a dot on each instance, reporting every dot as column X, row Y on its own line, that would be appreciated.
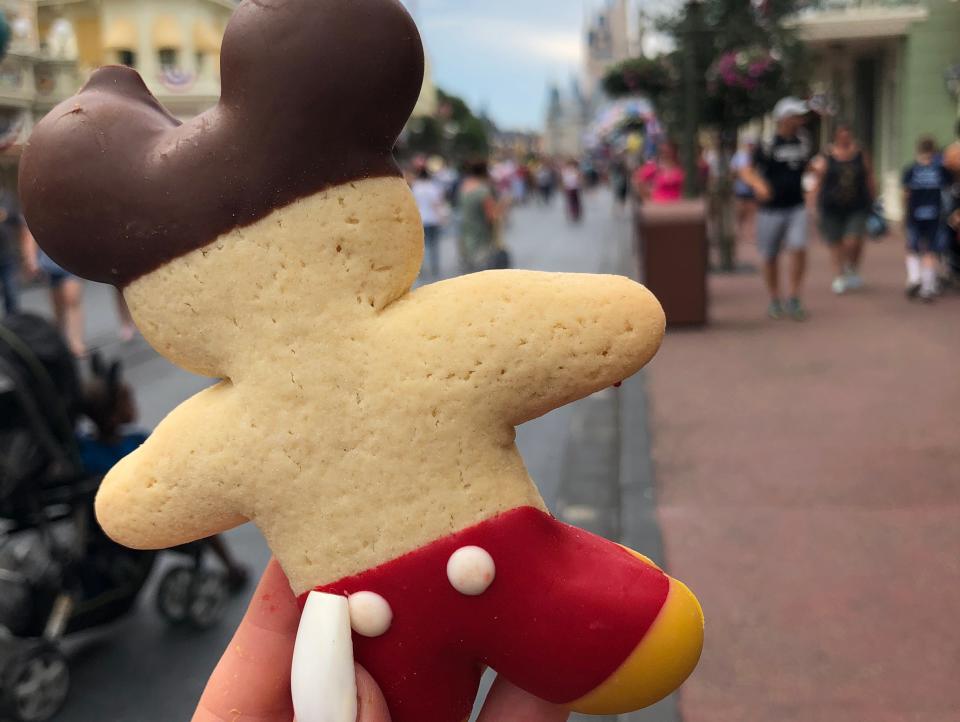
column 206, row 39
column 121, row 35
column 167, row 33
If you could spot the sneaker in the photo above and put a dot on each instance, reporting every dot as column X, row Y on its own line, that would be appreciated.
column 839, row 285
column 853, row 281
column 927, row 296
column 775, row 310
column 796, row 310
column 913, row 290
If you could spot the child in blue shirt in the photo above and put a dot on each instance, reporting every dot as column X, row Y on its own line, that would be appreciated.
column 924, row 184
column 109, row 404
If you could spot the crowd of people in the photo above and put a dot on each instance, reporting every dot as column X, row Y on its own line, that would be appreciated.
column 782, row 184
column 471, row 203
column 22, row 261
column 787, row 180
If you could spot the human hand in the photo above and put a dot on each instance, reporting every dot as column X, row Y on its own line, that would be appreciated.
column 762, row 192
column 252, row 680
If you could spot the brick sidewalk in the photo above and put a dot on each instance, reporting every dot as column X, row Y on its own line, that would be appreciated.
column 809, row 487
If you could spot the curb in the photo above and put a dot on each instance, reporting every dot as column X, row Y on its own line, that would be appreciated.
column 639, row 526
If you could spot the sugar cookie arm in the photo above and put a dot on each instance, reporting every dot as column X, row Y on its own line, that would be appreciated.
column 526, row 343
column 170, row 491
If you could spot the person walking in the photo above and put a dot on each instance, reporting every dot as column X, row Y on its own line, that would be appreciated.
column 846, row 191
column 480, row 217
column 66, row 294
column 572, row 180
column 924, row 184
column 620, row 183
column 776, row 177
column 545, row 180
column 744, row 198
column 430, row 201
column 12, row 230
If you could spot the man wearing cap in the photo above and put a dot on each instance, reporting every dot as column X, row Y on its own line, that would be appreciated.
column 776, row 177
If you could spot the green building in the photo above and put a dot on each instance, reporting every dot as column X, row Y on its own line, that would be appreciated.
column 889, row 67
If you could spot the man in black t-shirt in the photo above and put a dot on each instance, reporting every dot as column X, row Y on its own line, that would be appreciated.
column 776, row 177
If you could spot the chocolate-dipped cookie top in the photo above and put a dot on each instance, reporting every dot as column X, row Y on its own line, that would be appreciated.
column 314, row 95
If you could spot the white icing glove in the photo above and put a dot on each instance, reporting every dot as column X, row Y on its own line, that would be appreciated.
column 322, row 679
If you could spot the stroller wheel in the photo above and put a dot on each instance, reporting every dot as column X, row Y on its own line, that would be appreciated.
column 35, row 683
column 208, row 599
column 193, row 595
column 173, row 594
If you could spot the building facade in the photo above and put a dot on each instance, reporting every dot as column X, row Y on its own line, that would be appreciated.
column 174, row 44
column 609, row 38
column 886, row 67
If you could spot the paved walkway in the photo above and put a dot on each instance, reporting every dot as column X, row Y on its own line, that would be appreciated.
column 808, row 486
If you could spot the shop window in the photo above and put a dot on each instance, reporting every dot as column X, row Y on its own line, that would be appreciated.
column 127, row 57
column 168, row 58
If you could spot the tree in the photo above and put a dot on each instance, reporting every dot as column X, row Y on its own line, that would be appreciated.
column 455, row 132
column 651, row 77
column 739, row 56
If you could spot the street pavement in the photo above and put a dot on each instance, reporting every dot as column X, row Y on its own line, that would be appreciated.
column 589, row 459
column 807, row 478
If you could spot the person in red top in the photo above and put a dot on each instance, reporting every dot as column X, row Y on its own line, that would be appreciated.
column 661, row 180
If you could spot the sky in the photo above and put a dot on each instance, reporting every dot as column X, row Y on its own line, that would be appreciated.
column 501, row 55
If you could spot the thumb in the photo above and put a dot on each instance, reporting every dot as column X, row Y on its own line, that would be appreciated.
column 371, row 706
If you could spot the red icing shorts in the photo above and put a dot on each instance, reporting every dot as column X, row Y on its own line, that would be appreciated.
column 565, row 610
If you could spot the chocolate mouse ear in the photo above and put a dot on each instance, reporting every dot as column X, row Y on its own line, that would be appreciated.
column 314, row 94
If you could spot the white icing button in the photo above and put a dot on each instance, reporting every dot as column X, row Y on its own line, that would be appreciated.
column 471, row 571
column 370, row 614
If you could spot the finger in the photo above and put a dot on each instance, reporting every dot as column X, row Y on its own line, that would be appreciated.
column 507, row 703
column 252, row 681
column 371, row 706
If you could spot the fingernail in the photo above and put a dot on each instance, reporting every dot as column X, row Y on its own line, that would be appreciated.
column 322, row 680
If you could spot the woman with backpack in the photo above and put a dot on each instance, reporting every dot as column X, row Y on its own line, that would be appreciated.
column 846, row 193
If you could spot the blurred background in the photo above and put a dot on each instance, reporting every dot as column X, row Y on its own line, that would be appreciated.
column 792, row 454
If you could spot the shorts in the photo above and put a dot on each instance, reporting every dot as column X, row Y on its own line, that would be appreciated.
column 928, row 237
column 779, row 228
column 837, row 225
column 56, row 275
column 565, row 610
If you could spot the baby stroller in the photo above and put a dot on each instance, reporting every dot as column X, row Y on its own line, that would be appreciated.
column 59, row 573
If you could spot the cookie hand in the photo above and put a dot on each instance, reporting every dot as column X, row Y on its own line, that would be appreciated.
column 526, row 343
column 322, row 677
column 176, row 487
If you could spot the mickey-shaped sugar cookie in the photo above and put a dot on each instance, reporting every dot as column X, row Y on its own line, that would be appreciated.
column 366, row 429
